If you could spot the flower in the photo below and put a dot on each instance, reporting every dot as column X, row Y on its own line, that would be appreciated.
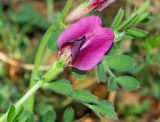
column 99, row 4
column 84, row 43
column 86, row 7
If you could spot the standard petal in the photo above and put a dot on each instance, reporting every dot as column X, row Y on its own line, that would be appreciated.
column 94, row 49
column 79, row 29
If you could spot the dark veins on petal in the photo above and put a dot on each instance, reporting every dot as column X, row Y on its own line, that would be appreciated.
column 76, row 47
column 71, row 50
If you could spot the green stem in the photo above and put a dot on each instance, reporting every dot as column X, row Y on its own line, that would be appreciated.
column 23, row 99
column 65, row 11
column 108, row 70
column 28, row 94
column 66, row 102
column 37, row 62
column 51, row 74
column 50, row 9
column 41, row 49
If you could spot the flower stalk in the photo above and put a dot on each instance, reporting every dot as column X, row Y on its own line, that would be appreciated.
column 42, row 47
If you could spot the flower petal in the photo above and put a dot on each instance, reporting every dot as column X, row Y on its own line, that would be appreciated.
column 79, row 29
column 94, row 49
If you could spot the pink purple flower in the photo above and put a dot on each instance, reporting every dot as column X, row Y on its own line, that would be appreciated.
column 85, row 42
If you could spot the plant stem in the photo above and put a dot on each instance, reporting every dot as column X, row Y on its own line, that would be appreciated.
column 51, row 74
column 112, row 95
column 109, row 71
column 66, row 102
column 65, row 11
column 28, row 94
column 37, row 62
column 23, row 99
column 50, row 9
column 41, row 49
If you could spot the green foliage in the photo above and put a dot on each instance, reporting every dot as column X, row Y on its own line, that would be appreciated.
column 11, row 113
column 143, row 7
column 128, row 82
column 101, row 73
column 82, row 95
column 68, row 115
column 136, row 17
column 60, row 86
column 78, row 74
column 118, row 19
column 28, row 18
column 103, row 108
column 137, row 32
column 49, row 116
column 124, row 30
column 14, row 115
column 19, row 114
column 132, row 110
column 112, row 84
column 27, row 117
column 52, row 42
column 119, row 63
column 119, row 36
column 1, row 99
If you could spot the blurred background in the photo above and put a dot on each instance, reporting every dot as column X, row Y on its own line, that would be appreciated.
column 22, row 25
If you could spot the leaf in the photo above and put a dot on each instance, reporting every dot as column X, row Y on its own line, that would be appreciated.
column 101, row 73
column 43, row 107
column 104, row 108
column 136, row 17
column 129, row 22
column 119, row 36
column 78, row 74
column 120, row 63
column 52, row 42
column 113, row 50
column 112, row 84
column 143, row 7
column 49, row 116
column 31, row 117
column 11, row 113
column 19, row 114
column 1, row 99
column 118, row 19
column 62, row 86
column 68, row 115
column 84, row 96
column 26, row 117
column 137, row 32
column 128, row 82
column 144, row 17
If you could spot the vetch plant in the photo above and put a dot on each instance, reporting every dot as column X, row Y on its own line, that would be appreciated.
column 84, row 45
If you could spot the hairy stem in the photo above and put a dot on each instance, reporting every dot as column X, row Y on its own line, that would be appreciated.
column 23, row 99
column 51, row 74
column 41, row 49
column 37, row 62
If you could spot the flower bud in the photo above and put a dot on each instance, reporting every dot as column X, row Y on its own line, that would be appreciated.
column 87, row 7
